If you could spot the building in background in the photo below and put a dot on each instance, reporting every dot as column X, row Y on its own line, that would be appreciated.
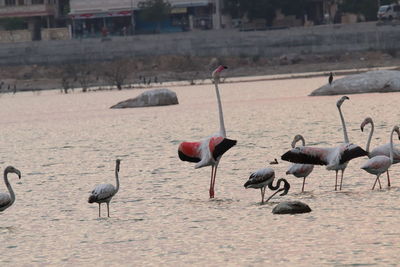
column 33, row 15
column 92, row 18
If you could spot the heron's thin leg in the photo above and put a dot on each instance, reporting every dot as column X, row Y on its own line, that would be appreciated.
column 99, row 210
column 108, row 209
column 341, row 180
column 304, row 181
column 379, row 181
column 336, row 181
column 388, row 178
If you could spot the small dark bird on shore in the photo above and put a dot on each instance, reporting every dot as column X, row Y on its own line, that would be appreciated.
column 274, row 162
column 330, row 78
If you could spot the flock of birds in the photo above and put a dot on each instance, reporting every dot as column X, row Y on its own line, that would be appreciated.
column 209, row 151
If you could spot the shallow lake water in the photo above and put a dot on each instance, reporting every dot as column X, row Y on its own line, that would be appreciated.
column 66, row 144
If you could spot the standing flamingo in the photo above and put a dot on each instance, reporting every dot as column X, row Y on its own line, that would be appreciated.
column 105, row 192
column 297, row 169
column 383, row 150
column 335, row 158
column 380, row 164
column 264, row 177
column 6, row 200
column 209, row 151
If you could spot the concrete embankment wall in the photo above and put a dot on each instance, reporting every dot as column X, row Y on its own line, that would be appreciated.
column 272, row 43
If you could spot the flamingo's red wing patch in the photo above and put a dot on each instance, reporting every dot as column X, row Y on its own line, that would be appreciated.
column 189, row 151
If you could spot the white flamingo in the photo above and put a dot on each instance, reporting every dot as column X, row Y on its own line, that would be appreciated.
column 383, row 150
column 6, row 200
column 264, row 177
column 335, row 158
column 297, row 169
column 103, row 193
column 209, row 151
column 380, row 164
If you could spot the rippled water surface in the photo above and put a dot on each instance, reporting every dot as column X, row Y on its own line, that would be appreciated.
column 66, row 144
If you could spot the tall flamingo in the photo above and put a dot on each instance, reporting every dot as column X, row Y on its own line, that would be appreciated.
column 335, row 158
column 380, row 164
column 209, row 151
column 297, row 169
column 6, row 200
column 103, row 193
column 383, row 150
column 264, row 177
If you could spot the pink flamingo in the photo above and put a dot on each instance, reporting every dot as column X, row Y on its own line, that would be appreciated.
column 383, row 150
column 380, row 164
column 209, row 151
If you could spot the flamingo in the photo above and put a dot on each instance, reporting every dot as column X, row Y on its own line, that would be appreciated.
column 381, row 163
column 105, row 192
column 335, row 158
column 383, row 150
column 263, row 178
column 209, row 151
column 297, row 169
column 6, row 200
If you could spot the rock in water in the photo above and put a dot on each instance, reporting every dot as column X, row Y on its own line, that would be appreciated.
column 157, row 97
column 291, row 207
column 378, row 81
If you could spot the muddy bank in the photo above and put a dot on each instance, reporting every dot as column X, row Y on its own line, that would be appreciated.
column 148, row 72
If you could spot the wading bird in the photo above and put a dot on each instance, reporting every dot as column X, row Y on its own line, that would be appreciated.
column 297, row 169
column 209, row 151
column 105, row 192
column 383, row 150
column 263, row 178
column 6, row 200
column 380, row 164
column 335, row 158
column 274, row 162
column 330, row 78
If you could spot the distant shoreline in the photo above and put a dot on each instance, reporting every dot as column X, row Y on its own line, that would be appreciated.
column 176, row 71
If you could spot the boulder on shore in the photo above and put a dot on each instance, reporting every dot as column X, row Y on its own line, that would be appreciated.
column 156, row 97
column 291, row 207
column 378, row 81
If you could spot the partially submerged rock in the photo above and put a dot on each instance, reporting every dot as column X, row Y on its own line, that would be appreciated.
column 291, row 207
column 378, row 81
column 156, row 97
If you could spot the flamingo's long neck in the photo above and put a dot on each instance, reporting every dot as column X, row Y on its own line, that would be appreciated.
column 117, row 179
column 221, row 115
column 12, row 195
column 346, row 138
column 370, row 137
column 391, row 146
column 303, row 142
